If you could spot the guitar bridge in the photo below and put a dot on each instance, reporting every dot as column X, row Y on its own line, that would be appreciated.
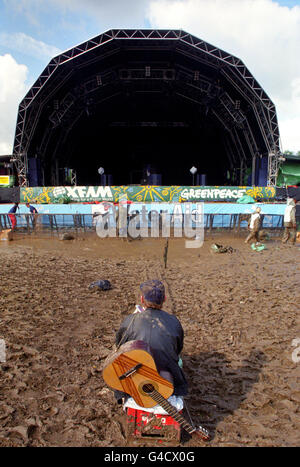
column 130, row 372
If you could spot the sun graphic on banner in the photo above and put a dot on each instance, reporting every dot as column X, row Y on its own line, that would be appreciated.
column 155, row 193
column 261, row 192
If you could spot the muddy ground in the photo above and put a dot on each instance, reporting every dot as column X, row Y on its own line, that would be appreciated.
column 239, row 311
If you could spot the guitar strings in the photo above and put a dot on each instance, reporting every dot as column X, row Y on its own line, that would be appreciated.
column 149, row 389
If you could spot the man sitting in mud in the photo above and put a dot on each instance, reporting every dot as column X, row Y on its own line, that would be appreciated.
column 160, row 330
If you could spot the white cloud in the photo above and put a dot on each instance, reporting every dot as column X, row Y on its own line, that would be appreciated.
column 289, row 130
column 263, row 34
column 28, row 45
column 12, row 91
column 13, row 85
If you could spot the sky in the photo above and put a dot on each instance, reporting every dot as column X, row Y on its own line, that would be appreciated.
column 264, row 34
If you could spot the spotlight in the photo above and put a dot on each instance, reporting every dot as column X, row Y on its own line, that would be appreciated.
column 193, row 170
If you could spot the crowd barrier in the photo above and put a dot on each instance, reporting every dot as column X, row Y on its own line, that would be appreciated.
column 87, row 222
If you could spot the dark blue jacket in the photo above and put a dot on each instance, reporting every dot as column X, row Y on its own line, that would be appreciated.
column 164, row 334
column 13, row 209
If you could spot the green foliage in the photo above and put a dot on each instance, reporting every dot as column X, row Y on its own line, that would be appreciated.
column 291, row 153
column 63, row 200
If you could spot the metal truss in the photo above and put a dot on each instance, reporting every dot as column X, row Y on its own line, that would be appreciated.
column 196, row 86
column 73, row 177
column 273, row 166
column 266, row 118
column 234, row 119
column 62, row 108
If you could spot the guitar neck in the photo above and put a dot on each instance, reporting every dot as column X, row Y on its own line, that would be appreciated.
column 171, row 410
column 176, row 415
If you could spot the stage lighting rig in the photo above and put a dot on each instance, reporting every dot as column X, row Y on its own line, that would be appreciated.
column 193, row 171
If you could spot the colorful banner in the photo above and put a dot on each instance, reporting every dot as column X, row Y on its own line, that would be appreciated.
column 79, row 194
column 225, row 193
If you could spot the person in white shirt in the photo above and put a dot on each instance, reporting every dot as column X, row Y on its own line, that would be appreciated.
column 254, row 226
column 289, row 220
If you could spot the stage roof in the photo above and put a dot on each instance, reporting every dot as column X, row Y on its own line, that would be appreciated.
column 99, row 75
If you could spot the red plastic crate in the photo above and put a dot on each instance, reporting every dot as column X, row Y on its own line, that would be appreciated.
column 147, row 425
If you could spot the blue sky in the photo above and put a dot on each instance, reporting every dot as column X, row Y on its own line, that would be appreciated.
column 60, row 26
column 265, row 34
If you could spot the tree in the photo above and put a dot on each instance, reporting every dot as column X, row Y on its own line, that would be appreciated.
column 291, row 153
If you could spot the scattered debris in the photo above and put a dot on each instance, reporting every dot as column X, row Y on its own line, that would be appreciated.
column 221, row 249
column 258, row 246
column 100, row 285
column 66, row 236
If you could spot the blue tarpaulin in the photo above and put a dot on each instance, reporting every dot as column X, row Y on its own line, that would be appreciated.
column 222, row 212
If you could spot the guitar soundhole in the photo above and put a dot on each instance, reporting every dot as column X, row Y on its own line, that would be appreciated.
column 148, row 388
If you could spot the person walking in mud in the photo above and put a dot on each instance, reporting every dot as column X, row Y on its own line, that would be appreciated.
column 34, row 214
column 12, row 215
column 290, row 226
column 254, row 226
column 160, row 330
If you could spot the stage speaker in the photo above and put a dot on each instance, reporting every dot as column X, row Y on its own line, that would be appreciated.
column 154, row 179
column 261, row 172
column 10, row 195
column 201, row 179
column 34, row 171
column 106, row 180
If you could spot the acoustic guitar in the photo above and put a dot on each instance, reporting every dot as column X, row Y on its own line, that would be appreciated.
column 131, row 369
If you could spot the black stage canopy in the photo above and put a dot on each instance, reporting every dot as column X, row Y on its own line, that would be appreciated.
column 130, row 99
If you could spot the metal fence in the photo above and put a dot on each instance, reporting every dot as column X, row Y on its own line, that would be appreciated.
column 87, row 222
